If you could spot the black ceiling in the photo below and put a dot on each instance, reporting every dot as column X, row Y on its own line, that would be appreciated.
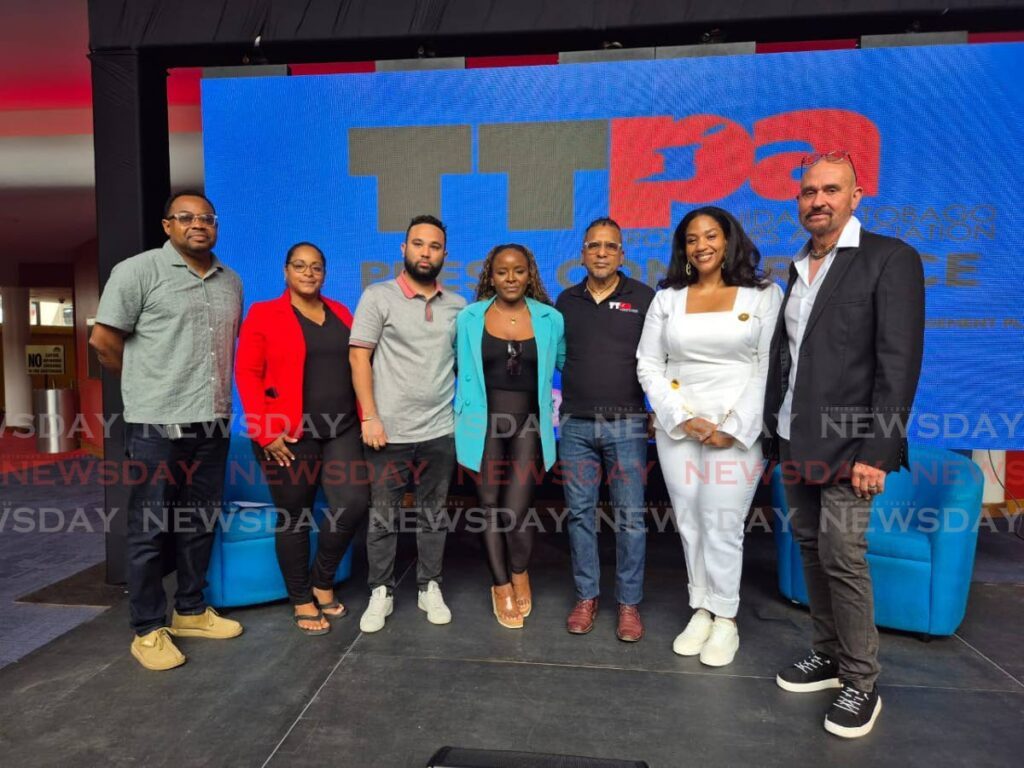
column 208, row 32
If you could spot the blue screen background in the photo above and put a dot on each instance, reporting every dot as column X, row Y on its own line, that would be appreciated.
column 950, row 117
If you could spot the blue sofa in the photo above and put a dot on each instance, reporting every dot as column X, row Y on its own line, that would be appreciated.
column 243, row 564
column 921, row 542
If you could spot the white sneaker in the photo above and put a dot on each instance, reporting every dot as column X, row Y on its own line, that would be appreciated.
column 431, row 601
column 692, row 639
column 722, row 645
column 380, row 607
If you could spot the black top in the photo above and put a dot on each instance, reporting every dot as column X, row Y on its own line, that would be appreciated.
column 328, row 401
column 510, row 374
column 599, row 376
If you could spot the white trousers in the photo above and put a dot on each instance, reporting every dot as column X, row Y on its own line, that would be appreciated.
column 711, row 490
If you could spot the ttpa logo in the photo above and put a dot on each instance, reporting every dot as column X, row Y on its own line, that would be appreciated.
column 652, row 162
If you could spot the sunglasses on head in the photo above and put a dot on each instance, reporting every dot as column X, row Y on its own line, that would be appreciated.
column 832, row 156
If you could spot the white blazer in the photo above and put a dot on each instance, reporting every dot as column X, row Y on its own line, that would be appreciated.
column 685, row 375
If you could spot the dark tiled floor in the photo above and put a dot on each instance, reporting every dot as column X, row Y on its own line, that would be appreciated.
column 47, row 532
column 276, row 697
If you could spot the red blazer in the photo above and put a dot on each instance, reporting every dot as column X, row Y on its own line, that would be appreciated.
column 269, row 365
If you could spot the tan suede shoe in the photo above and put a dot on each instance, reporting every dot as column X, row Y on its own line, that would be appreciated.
column 208, row 624
column 156, row 650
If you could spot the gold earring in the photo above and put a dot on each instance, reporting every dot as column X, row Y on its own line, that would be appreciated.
column 689, row 270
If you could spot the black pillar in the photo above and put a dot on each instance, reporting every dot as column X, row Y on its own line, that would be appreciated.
column 132, row 182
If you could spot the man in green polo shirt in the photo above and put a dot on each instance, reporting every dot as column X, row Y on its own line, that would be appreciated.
column 167, row 323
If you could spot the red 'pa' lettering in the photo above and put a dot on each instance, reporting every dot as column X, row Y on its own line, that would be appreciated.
column 723, row 159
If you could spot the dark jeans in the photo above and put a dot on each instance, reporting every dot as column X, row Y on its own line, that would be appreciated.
column 176, row 489
column 427, row 466
column 829, row 522
column 619, row 447
column 335, row 464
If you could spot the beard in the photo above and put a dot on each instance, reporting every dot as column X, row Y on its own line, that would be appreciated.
column 427, row 274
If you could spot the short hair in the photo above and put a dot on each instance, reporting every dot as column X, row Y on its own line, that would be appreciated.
column 185, row 193
column 304, row 244
column 426, row 218
column 603, row 221
column 741, row 255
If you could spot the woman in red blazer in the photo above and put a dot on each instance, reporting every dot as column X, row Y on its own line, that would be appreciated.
column 293, row 376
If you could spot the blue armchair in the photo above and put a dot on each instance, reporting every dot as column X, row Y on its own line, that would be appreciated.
column 243, row 564
column 921, row 542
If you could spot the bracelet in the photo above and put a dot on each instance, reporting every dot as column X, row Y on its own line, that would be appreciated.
column 370, row 418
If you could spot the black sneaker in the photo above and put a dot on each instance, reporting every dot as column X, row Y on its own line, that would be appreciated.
column 853, row 713
column 815, row 673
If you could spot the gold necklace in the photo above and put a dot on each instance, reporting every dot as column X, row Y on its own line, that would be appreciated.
column 512, row 316
column 598, row 295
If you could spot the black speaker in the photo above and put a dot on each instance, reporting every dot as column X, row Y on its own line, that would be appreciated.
column 453, row 757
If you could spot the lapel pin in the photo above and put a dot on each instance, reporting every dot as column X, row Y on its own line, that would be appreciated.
column 744, row 317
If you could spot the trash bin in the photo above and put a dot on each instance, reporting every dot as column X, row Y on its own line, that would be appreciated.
column 54, row 411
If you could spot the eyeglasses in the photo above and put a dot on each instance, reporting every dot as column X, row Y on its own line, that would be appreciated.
column 832, row 156
column 186, row 218
column 302, row 267
column 514, row 364
column 594, row 246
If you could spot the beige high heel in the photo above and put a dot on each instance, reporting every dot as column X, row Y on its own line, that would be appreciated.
column 505, row 609
column 523, row 595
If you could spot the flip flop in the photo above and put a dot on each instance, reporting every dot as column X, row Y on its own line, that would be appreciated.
column 324, row 607
column 297, row 617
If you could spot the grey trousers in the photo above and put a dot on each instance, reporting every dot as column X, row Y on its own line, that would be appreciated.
column 427, row 468
column 829, row 522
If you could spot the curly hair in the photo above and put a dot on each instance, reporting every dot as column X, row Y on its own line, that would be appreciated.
column 534, row 286
column 741, row 255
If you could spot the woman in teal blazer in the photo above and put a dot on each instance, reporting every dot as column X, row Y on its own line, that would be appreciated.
column 508, row 344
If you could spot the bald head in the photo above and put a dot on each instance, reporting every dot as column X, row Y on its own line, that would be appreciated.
column 828, row 197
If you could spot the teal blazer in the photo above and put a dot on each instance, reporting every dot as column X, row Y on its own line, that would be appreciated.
column 471, row 392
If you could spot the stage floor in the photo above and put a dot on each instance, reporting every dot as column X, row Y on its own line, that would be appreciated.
column 275, row 697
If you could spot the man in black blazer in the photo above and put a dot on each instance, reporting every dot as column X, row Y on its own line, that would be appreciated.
column 844, row 366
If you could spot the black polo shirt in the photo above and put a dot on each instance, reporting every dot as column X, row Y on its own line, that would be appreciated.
column 599, row 377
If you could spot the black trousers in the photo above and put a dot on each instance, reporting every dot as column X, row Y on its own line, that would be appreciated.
column 509, row 471
column 176, row 489
column 336, row 465
column 427, row 468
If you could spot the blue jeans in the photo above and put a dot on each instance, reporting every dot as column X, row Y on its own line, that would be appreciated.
column 176, row 488
column 619, row 447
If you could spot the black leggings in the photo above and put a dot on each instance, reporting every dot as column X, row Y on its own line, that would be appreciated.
column 509, row 472
column 330, row 464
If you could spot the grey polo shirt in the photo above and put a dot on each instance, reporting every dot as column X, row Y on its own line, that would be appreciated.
column 413, row 339
column 180, row 343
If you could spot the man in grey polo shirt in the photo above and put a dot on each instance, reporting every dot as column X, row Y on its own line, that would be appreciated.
column 403, row 362
column 167, row 323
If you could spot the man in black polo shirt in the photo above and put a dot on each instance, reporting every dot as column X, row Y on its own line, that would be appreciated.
column 604, row 425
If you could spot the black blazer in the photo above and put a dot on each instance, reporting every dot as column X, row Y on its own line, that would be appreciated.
column 859, row 363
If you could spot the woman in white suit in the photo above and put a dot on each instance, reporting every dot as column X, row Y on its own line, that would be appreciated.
column 703, row 361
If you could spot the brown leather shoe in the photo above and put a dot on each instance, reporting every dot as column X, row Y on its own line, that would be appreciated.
column 581, row 619
column 521, row 589
column 630, row 629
